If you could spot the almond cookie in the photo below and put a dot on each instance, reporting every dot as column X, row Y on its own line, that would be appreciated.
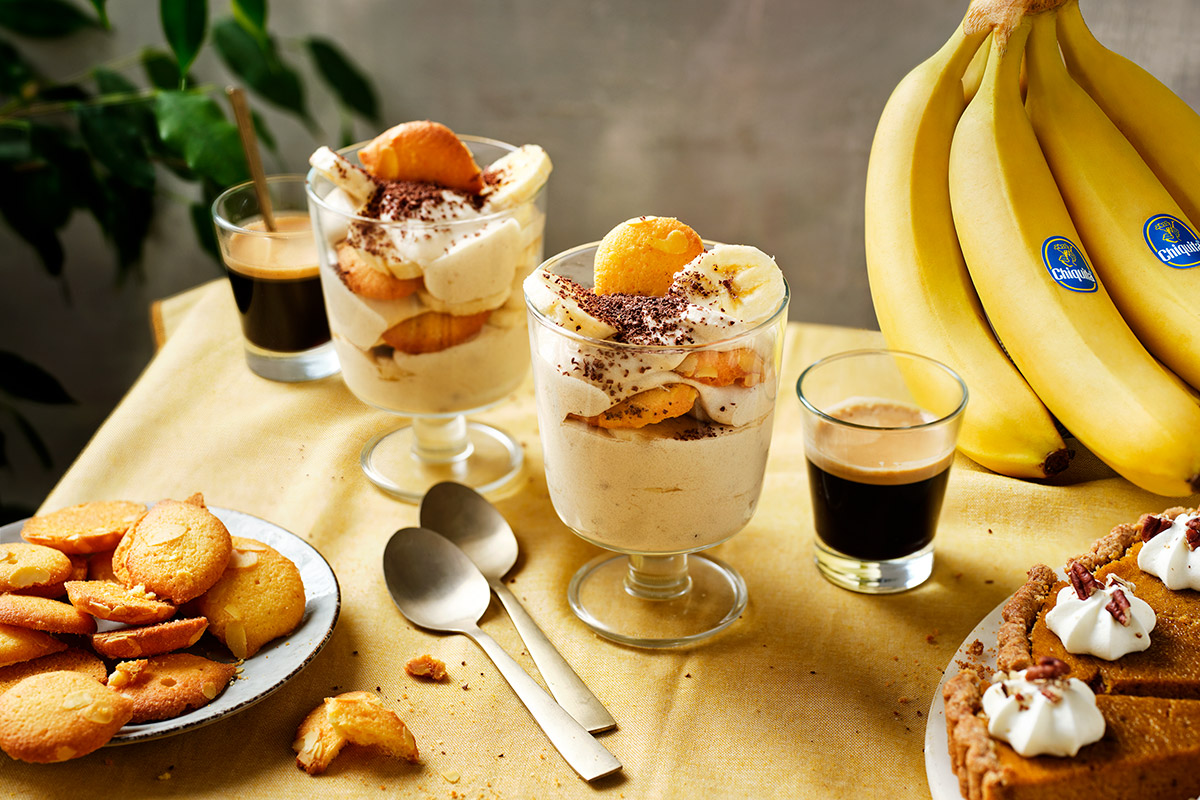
column 32, row 568
column 113, row 602
column 44, row 614
column 85, row 528
column 100, row 568
column 165, row 686
column 260, row 597
column 177, row 550
column 22, row 644
column 151, row 640
column 73, row 659
column 57, row 716
column 423, row 151
column 641, row 256
column 352, row 717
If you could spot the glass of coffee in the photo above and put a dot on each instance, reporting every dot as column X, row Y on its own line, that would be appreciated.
column 880, row 428
column 274, row 278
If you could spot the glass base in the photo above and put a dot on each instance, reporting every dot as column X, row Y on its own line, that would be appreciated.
column 486, row 459
column 873, row 577
column 657, row 601
column 307, row 365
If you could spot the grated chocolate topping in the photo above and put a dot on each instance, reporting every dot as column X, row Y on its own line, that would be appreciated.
column 412, row 200
column 637, row 318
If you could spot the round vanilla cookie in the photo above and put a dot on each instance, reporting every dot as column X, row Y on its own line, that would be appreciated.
column 56, row 716
column 260, row 597
column 32, row 568
column 22, row 644
column 150, row 640
column 165, row 686
column 113, row 602
column 84, row 528
column 641, row 256
column 177, row 550
column 73, row 659
column 44, row 614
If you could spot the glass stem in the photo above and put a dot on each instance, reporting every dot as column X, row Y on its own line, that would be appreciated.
column 658, row 577
column 440, row 440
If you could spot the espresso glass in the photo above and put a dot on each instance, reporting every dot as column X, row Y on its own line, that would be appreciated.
column 275, row 282
column 880, row 428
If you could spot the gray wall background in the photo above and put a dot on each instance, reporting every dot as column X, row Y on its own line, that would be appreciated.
column 749, row 119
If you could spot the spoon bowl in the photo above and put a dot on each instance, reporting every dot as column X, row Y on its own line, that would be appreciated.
column 432, row 582
column 466, row 518
column 436, row 586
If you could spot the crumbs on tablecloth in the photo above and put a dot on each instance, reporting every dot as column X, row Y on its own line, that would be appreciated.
column 931, row 638
column 426, row 666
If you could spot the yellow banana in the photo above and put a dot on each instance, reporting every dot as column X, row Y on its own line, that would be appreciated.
column 1046, row 306
column 1127, row 220
column 923, row 296
column 1163, row 128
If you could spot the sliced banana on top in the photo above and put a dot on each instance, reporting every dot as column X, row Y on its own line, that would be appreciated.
column 352, row 179
column 516, row 177
column 734, row 280
column 549, row 295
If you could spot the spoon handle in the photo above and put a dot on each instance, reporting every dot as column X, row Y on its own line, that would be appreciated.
column 586, row 756
column 567, row 687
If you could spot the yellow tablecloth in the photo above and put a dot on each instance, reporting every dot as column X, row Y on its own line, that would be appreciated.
column 814, row 693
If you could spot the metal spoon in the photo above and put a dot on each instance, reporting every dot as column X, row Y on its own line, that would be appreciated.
column 436, row 586
column 464, row 517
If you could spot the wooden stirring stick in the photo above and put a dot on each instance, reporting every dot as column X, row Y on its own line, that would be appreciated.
column 241, row 112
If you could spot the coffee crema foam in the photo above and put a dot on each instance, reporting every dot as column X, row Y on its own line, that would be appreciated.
column 901, row 451
column 288, row 253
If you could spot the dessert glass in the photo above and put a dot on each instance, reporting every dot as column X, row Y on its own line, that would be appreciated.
column 273, row 274
column 654, row 496
column 436, row 389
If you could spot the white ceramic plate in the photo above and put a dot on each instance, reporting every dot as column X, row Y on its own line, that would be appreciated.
column 943, row 783
column 273, row 665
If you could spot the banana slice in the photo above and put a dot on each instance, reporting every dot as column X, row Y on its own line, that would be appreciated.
column 552, row 296
column 517, row 177
column 463, row 309
column 735, row 280
column 352, row 179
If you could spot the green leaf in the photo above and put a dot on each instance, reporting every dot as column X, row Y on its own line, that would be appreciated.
column 16, row 140
column 125, row 218
column 25, row 380
column 193, row 126
column 252, row 15
column 116, row 134
column 260, row 67
column 161, row 70
column 18, row 78
column 184, row 23
column 46, row 19
column 352, row 88
column 102, row 12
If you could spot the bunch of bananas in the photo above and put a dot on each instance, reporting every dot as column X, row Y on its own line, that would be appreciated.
column 1029, row 221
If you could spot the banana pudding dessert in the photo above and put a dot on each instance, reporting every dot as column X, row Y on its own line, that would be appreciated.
column 655, row 365
column 423, row 255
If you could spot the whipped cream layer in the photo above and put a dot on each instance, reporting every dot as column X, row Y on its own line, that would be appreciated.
column 1089, row 627
column 1170, row 557
column 1053, row 717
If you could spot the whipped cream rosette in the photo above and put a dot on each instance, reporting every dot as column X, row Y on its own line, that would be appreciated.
column 1041, row 711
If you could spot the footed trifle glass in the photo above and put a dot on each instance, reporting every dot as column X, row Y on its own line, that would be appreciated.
column 655, row 495
column 453, row 345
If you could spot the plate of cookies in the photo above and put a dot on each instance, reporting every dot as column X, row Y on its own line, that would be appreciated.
column 124, row 623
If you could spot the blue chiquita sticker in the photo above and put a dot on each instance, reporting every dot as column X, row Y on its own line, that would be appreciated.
column 1066, row 264
column 1175, row 244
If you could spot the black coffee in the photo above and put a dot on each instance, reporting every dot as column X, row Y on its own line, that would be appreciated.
column 281, row 315
column 876, row 521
